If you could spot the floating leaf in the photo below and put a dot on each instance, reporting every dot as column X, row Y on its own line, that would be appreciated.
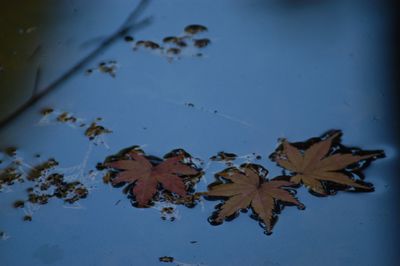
column 145, row 176
column 247, row 187
column 320, row 164
column 147, row 44
column 166, row 259
column 128, row 38
column 173, row 47
column 171, row 39
column 194, row 29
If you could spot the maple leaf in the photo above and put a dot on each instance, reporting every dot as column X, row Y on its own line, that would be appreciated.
column 247, row 187
column 145, row 176
column 318, row 163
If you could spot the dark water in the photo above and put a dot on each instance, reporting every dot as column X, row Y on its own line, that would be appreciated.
column 273, row 69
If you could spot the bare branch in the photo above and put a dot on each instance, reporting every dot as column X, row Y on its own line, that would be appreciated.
column 130, row 25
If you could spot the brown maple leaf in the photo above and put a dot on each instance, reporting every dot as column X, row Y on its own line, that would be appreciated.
column 319, row 163
column 247, row 187
column 145, row 176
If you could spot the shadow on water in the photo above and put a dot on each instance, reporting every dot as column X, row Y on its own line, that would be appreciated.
column 22, row 26
column 131, row 24
column 393, row 55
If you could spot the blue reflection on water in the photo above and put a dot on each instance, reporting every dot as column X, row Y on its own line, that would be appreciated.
column 272, row 71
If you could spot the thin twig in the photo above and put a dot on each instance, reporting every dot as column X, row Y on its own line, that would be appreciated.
column 128, row 26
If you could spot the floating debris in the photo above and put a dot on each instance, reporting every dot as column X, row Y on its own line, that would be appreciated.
column 109, row 67
column 80, row 192
column 173, row 51
column 175, row 45
column 171, row 39
column 189, row 201
column 128, row 38
column 41, row 169
column 19, row 204
column 189, row 105
column 95, row 130
column 46, row 184
column 201, row 43
column 91, row 130
column 11, row 151
column 47, row 111
column 168, row 213
column 147, row 44
column 178, row 41
column 166, row 259
column 10, row 175
column 54, row 185
column 194, row 29
column 4, row 235
column 181, row 43
column 66, row 117
column 38, row 198
column 107, row 178
column 223, row 156
column 27, row 218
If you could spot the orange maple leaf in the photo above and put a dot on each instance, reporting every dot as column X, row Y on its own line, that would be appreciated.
column 320, row 163
column 247, row 188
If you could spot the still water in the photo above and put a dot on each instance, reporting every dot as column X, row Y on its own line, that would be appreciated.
column 262, row 70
